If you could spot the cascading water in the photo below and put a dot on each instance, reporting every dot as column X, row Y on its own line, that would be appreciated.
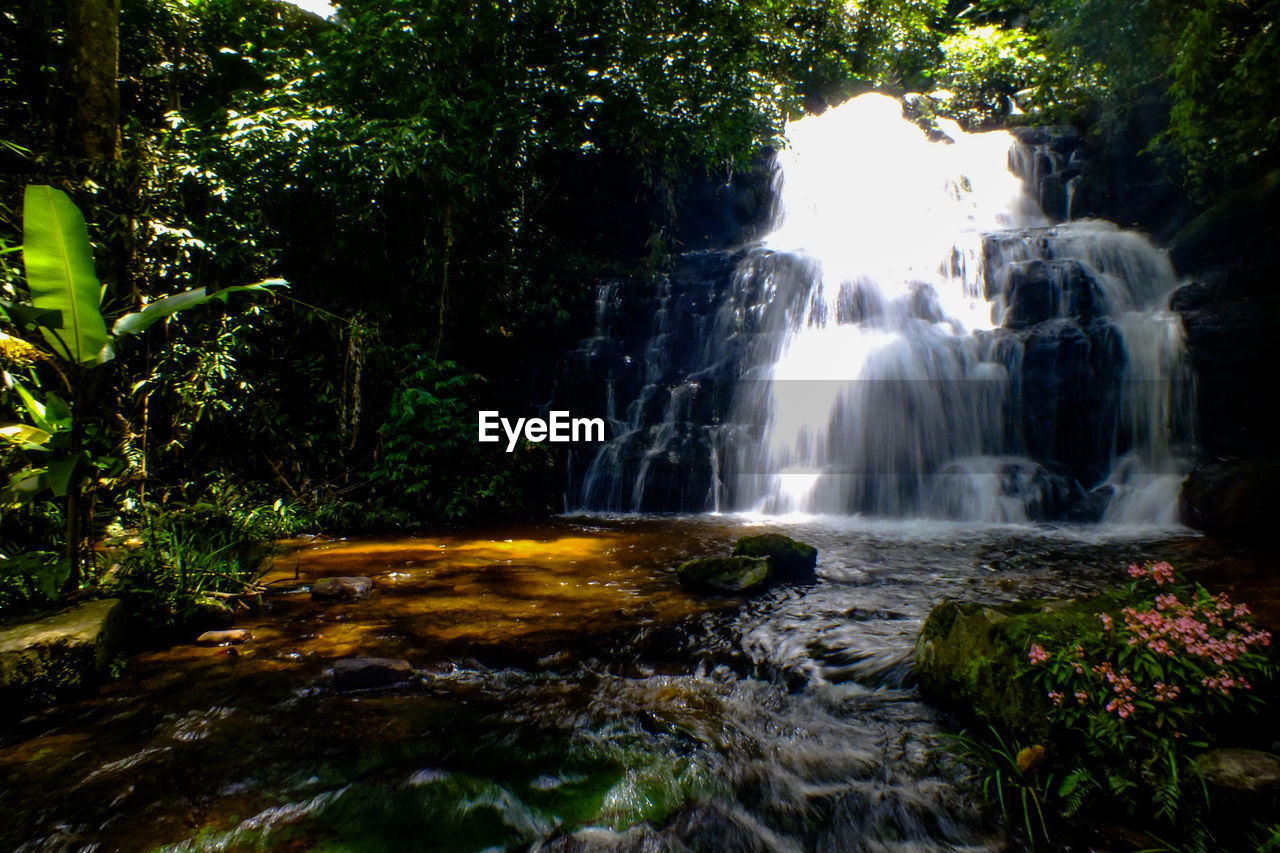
column 914, row 338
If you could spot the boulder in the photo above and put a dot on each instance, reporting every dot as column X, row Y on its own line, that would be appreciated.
column 60, row 654
column 1232, row 497
column 968, row 657
column 720, row 575
column 341, row 589
column 230, row 637
column 1244, row 777
column 362, row 673
column 789, row 560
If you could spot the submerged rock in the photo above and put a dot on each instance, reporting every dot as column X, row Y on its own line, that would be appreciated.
column 60, row 654
column 365, row 673
column 341, row 589
column 724, row 574
column 789, row 560
column 230, row 637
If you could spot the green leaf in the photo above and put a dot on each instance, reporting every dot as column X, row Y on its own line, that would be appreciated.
column 28, row 317
column 25, row 436
column 131, row 324
column 35, row 409
column 24, row 485
column 27, row 563
column 59, row 263
column 57, row 412
column 63, row 472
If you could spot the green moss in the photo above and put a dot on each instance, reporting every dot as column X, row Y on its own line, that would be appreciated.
column 60, row 654
column 972, row 658
column 724, row 574
column 790, row 560
column 940, row 620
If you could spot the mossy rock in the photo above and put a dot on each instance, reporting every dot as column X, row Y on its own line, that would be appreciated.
column 972, row 659
column 724, row 574
column 60, row 654
column 790, row 560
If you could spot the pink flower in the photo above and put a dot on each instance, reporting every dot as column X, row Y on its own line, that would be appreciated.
column 1162, row 573
column 1106, row 621
column 1037, row 655
column 1055, row 697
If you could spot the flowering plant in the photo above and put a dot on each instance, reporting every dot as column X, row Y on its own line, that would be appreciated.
column 1151, row 678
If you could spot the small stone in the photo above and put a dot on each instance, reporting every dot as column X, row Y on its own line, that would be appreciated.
column 341, row 589
column 230, row 637
column 365, row 673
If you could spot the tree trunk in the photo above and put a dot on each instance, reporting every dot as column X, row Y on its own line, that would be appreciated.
column 93, row 60
column 442, row 304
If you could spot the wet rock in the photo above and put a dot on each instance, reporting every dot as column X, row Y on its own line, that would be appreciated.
column 61, row 654
column 724, row 574
column 789, row 560
column 210, row 614
column 1232, row 497
column 968, row 657
column 1232, row 321
column 365, row 673
column 1240, row 776
column 230, row 637
column 1040, row 290
column 1071, row 395
column 1092, row 507
column 341, row 589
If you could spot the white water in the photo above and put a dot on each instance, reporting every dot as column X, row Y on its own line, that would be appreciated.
column 904, row 411
column 915, row 339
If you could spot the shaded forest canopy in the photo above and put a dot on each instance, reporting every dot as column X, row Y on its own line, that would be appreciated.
column 442, row 183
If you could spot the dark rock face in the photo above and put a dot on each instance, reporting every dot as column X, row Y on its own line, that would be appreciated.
column 1231, row 313
column 719, row 575
column 646, row 369
column 1092, row 507
column 1040, row 290
column 341, row 589
column 789, row 560
column 1233, row 497
column 1070, row 379
column 1051, row 166
column 367, row 673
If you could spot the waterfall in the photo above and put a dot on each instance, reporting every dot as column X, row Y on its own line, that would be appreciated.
column 915, row 337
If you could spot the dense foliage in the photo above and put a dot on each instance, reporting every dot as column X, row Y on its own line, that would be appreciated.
column 443, row 181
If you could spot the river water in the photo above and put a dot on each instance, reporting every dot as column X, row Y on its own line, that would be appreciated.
column 572, row 697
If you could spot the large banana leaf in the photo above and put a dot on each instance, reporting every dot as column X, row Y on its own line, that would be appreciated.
column 59, row 263
column 131, row 324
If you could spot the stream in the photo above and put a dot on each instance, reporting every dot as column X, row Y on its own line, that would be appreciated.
column 571, row 697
